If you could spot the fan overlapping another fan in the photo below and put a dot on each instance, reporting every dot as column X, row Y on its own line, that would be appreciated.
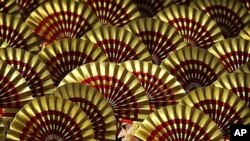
column 230, row 15
column 223, row 106
column 178, row 123
column 233, row 52
column 237, row 83
column 59, row 19
column 114, row 12
column 197, row 28
column 50, row 118
column 120, row 87
column 97, row 108
column 159, row 37
column 17, row 34
column 62, row 56
column 31, row 68
column 119, row 44
column 245, row 33
column 161, row 87
column 194, row 67
column 10, row 7
column 244, row 68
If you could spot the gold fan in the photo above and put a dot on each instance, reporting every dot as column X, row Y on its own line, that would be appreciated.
column 31, row 68
column 119, row 44
column 244, row 68
column 17, row 34
column 159, row 37
column 197, row 28
column 63, row 56
column 50, row 118
column 114, row 12
column 120, row 87
column 230, row 15
column 178, row 123
column 59, row 19
column 194, row 67
column 237, row 83
column 161, row 87
column 94, row 105
column 233, row 52
column 223, row 106
column 9, row 6
column 245, row 33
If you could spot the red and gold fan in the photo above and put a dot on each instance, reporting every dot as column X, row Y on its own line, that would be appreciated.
column 97, row 108
column 181, row 123
column 233, row 52
column 194, row 67
column 17, row 34
column 9, row 6
column 15, row 92
column 50, row 118
column 231, row 16
column 31, row 68
column 244, row 68
column 119, row 44
column 62, row 56
column 59, row 19
column 223, row 106
column 245, row 33
column 159, row 37
column 114, row 12
column 161, row 87
column 237, row 83
column 197, row 28
column 120, row 87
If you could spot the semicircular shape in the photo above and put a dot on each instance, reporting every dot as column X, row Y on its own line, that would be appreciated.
column 60, row 19
column 50, row 118
column 31, row 68
column 245, row 33
column 231, row 16
column 10, row 7
column 233, row 52
column 17, row 34
column 237, row 83
column 197, row 28
column 120, row 87
column 161, row 87
column 194, row 67
column 119, row 44
column 62, row 56
column 244, row 68
column 178, row 123
column 159, row 37
column 114, row 12
column 97, row 108
column 224, row 107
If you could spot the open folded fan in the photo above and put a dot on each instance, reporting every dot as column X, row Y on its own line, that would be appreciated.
column 97, row 108
column 64, row 55
column 114, row 12
column 159, row 37
column 161, row 87
column 197, row 28
column 119, row 44
column 237, row 83
column 194, row 67
column 230, row 15
column 233, row 52
column 178, row 123
column 244, row 68
column 245, row 33
column 223, row 106
column 17, row 34
column 59, row 19
column 50, row 118
column 120, row 87
column 31, row 68
column 9, row 6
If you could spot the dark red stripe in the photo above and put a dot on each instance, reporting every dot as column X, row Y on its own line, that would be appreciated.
column 243, row 93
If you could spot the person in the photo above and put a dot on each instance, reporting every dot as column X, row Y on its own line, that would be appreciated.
column 128, row 128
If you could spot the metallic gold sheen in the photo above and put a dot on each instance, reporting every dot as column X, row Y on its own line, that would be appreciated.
column 244, row 68
column 245, row 33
